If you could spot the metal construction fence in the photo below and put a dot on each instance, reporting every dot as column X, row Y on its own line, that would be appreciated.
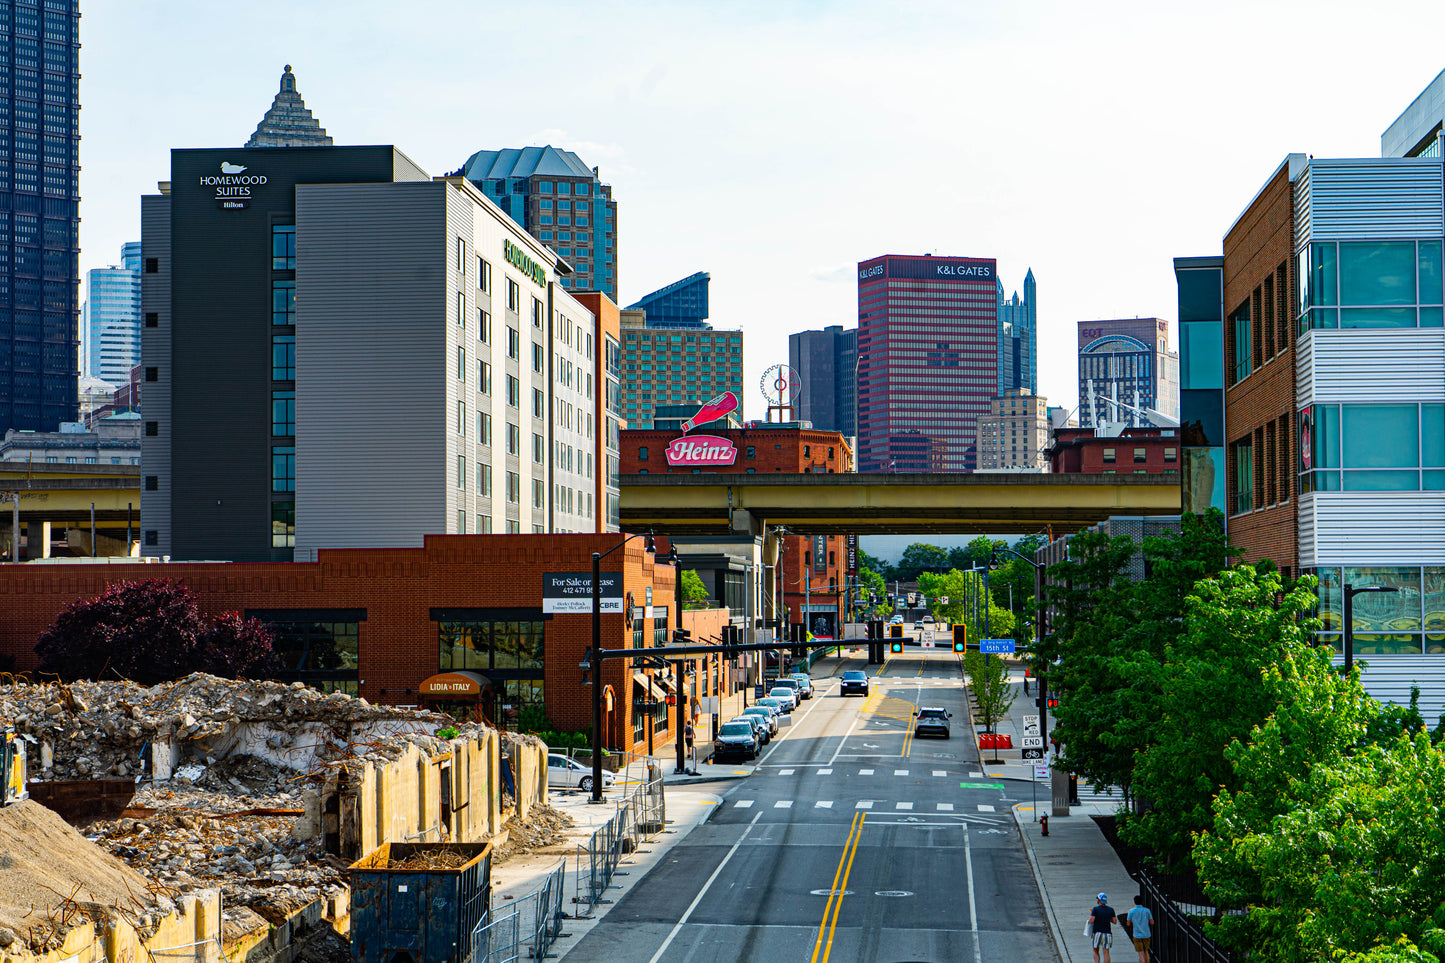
column 1178, row 935
column 639, row 818
column 524, row 928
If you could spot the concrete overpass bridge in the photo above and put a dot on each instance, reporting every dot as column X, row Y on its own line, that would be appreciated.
column 56, row 498
column 888, row 504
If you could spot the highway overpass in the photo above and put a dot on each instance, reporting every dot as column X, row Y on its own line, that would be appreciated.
column 888, row 504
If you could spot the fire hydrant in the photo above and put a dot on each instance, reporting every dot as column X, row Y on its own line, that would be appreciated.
column 1044, row 824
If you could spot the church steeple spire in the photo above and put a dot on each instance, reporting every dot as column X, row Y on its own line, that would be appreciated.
column 289, row 123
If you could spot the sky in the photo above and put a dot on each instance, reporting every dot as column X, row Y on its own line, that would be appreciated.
column 777, row 144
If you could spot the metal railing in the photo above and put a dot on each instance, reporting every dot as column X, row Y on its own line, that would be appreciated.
column 640, row 817
column 1178, row 934
column 525, row 928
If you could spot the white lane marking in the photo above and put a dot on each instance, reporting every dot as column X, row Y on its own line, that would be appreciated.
column 864, row 804
column 972, row 902
column 786, row 772
column 975, row 775
column 900, row 772
column 945, row 807
column 844, row 741
column 662, row 950
column 823, row 804
column 865, row 772
column 783, row 804
column 777, row 741
column 744, row 804
column 905, row 805
column 825, row 772
column 985, row 808
column 940, row 772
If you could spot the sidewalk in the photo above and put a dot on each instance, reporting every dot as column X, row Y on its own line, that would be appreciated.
column 1074, row 863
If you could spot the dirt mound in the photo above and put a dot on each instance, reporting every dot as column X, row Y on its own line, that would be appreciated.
column 52, row 879
column 543, row 827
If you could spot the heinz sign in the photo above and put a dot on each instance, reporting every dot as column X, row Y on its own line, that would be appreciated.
column 697, row 451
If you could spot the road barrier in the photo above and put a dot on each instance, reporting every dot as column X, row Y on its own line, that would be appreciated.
column 639, row 818
column 525, row 928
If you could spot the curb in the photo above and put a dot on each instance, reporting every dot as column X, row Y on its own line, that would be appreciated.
column 1060, row 947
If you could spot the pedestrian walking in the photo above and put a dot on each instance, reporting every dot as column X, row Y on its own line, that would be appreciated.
column 1141, row 927
column 1100, row 928
column 687, row 735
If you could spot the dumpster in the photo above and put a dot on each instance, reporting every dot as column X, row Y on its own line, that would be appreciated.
column 419, row 902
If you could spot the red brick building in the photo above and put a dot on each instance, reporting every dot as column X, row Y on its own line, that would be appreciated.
column 812, row 567
column 380, row 623
column 1138, row 451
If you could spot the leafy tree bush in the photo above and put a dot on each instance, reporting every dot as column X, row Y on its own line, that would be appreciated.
column 988, row 678
column 149, row 632
column 694, row 592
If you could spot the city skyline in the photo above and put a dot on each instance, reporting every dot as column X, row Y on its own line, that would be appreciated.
column 140, row 102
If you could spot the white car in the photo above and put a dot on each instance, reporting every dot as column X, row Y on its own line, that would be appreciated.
column 564, row 773
column 786, row 695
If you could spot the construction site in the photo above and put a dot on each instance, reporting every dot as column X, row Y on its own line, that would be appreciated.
column 209, row 819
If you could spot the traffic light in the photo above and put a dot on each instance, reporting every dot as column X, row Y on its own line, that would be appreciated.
column 960, row 646
column 960, row 637
column 895, row 647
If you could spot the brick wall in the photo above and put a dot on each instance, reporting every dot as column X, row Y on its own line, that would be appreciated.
column 1259, row 272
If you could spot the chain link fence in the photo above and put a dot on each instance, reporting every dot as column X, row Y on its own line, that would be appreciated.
column 524, row 928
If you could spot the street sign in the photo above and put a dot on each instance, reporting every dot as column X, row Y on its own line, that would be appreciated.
column 1031, row 725
column 1033, row 754
column 996, row 646
column 1033, row 742
column 927, row 643
column 1041, row 771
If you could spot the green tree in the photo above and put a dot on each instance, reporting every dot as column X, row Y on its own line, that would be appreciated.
column 694, row 592
column 875, row 564
column 919, row 558
column 872, row 585
column 988, row 677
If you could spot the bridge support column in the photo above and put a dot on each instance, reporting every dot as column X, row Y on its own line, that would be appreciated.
column 37, row 539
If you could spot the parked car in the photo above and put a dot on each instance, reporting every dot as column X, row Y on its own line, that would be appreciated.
column 787, row 695
column 735, row 739
column 790, row 683
column 761, row 726
column 805, row 684
column 896, row 620
column 775, row 703
column 931, row 721
column 565, row 773
column 769, row 717
column 854, row 681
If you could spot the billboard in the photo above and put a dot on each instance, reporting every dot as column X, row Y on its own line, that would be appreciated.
column 564, row 592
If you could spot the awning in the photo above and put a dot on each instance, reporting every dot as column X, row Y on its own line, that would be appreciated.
column 650, row 690
column 452, row 684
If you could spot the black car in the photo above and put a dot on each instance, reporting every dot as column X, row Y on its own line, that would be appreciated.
column 931, row 721
column 854, row 681
column 735, row 739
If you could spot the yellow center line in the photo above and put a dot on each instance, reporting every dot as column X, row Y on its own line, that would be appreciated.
column 835, row 892
column 842, row 888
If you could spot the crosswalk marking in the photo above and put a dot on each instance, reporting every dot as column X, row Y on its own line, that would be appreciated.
column 864, row 804
column 939, row 772
column 744, row 803
column 985, row 808
column 865, row 772
column 825, row 772
column 823, row 804
column 905, row 805
column 945, row 807
column 900, row 772
column 783, row 804
column 786, row 772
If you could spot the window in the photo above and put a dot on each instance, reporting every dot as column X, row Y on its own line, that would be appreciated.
column 1109, row 455
column 539, row 404
column 514, row 439
column 283, row 413
column 461, row 521
column 283, row 357
column 1242, row 344
column 514, row 296
column 538, row 315
column 514, row 390
column 752, row 451
column 484, row 480
column 539, row 493
column 283, row 302
column 283, row 469
column 462, row 255
column 514, row 343
column 153, row 264
column 536, row 357
column 642, row 453
column 153, row 319
column 461, row 417
column 153, row 429
column 283, row 247
column 514, row 488
column 462, row 308
column 1242, row 478
column 1140, row 455
column 153, row 482
column 484, row 326
column 153, row 374
column 283, row 525
column 539, row 449
column 1171, row 454
column 484, row 428
column 461, row 363
column 462, row 472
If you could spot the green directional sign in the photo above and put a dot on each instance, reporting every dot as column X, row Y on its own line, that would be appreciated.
column 981, row 785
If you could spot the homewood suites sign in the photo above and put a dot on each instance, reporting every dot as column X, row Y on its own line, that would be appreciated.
column 518, row 257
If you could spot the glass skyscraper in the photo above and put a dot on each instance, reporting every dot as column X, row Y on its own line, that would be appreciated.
column 39, row 200
column 113, row 318
column 1018, row 339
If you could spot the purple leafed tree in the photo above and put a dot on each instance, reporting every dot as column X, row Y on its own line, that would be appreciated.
column 149, row 632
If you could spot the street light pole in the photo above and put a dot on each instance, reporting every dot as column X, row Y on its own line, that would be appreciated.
column 1349, row 614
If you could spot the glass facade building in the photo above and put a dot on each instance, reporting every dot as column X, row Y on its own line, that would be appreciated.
column 1128, row 361
column 39, row 201
column 112, row 327
column 827, row 364
column 681, row 304
column 1201, row 381
column 1018, row 339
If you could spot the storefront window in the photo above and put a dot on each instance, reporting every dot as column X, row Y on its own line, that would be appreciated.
column 324, row 654
column 491, row 647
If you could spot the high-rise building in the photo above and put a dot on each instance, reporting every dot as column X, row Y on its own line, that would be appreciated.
column 39, row 206
column 560, row 201
column 1018, row 340
column 1126, row 361
column 289, row 122
column 827, row 365
column 1013, row 436
column 676, row 358
column 927, row 360
column 113, row 318
column 401, row 361
column 1323, row 321
column 681, row 304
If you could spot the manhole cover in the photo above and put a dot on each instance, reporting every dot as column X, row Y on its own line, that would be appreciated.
column 893, row 892
column 831, row 892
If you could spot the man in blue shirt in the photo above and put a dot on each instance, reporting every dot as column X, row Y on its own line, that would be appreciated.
column 1140, row 922
column 1103, row 918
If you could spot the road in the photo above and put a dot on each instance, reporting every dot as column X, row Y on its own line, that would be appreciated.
column 850, row 842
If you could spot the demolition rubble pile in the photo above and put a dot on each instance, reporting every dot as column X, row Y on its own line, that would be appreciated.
column 221, row 766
